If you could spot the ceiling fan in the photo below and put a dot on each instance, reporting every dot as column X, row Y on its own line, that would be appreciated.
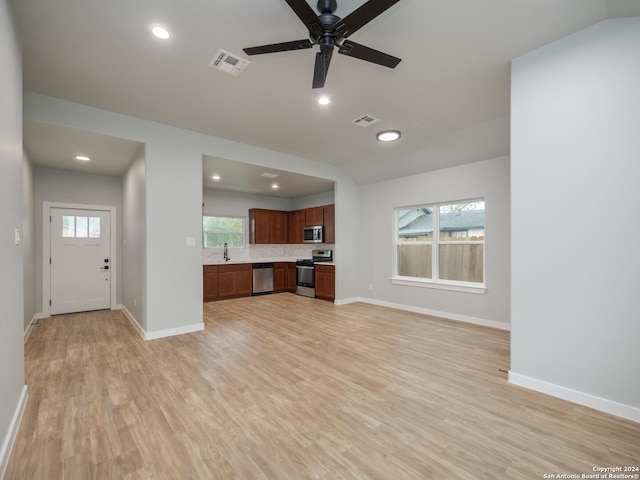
column 328, row 31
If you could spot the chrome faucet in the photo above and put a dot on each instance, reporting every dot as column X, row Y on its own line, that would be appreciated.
column 226, row 253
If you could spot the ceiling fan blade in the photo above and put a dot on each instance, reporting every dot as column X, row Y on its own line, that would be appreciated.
column 305, row 13
column 356, row 50
column 361, row 16
column 322, row 67
column 279, row 47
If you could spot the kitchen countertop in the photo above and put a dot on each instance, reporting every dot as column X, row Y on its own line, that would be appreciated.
column 261, row 260
column 252, row 260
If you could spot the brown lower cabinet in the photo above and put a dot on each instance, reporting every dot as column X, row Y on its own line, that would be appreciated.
column 236, row 280
column 292, row 279
column 210, row 282
column 279, row 277
column 325, row 281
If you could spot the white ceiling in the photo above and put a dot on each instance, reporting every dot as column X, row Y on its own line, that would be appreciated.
column 53, row 146
column 243, row 177
column 449, row 96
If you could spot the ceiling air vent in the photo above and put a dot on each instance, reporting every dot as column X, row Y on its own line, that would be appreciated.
column 365, row 120
column 228, row 63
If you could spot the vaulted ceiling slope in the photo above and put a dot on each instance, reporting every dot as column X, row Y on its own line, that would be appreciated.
column 449, row 96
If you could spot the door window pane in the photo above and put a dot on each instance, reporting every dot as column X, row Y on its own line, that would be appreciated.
column 81, row 227
column 68, row 226
column 94, row 227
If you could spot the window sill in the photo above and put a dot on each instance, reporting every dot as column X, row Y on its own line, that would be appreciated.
column 481, row 289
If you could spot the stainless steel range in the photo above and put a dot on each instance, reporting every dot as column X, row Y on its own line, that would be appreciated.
column 305, row 272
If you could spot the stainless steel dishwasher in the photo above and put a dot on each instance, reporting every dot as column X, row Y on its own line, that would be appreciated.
column 262, row 278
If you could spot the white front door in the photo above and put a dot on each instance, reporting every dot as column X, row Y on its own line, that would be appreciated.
column 80, row 260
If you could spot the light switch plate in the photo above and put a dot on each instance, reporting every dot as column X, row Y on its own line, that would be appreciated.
column 191, row 241
column 17, row 236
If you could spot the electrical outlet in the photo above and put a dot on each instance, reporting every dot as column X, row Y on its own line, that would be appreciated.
column 371, row 286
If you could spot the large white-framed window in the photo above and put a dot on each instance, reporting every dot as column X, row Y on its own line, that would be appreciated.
column 219, row 229
column 440, row 245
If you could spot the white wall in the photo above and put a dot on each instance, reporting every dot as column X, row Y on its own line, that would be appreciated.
column 29, row 247
column 134, row 240
column 317, row 200
column 575, row 229
column 224, row 202
column 174, row 203
column 62, row 186
column 488, row 179
column 12, row 388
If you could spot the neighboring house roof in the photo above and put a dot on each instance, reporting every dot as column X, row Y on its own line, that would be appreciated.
column 453, row 221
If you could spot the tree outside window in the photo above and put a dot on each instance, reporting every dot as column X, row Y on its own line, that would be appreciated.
column 216, row 231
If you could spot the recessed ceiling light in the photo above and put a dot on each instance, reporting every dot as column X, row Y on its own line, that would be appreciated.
column 388, row 136
column 216, row 177
column 275, row 186
column 82, row 158
column 160, row 32
column 324, row 100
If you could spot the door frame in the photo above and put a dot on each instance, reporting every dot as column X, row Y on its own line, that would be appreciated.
column 46, row 250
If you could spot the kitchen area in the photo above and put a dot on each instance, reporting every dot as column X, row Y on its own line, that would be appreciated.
column 287, row 251
column 266, row 231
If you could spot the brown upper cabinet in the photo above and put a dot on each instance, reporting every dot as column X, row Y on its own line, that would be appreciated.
column 329, row 222
column 313, row 216
column 268, row 226
column 277, row 226
column 296, row 224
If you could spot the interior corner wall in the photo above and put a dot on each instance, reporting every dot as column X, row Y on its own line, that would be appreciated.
column 575, row 258
column 31, row 308
column 488, row 179
column 134, row 240
column 12, row 388
column 61, row 186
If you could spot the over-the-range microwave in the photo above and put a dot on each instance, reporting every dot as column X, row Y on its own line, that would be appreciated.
column 312, row 234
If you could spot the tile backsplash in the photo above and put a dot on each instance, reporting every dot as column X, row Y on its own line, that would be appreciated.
column 263, row 252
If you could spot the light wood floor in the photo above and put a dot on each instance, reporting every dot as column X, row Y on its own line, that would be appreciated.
column 285, row 387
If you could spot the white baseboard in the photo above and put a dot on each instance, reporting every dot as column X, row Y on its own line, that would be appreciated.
column 160, row 333
column 133, row 321
column 12, row 433
column 346, row 301
column 435, row 313
column 170, row 332
column 574, row 396
column 27, row 331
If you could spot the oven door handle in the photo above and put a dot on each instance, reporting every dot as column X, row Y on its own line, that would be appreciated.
column 302, row 267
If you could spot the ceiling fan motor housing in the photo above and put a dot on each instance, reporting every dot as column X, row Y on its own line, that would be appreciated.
column 327, row 6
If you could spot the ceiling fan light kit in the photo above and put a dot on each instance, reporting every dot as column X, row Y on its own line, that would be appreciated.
column 328, row 31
